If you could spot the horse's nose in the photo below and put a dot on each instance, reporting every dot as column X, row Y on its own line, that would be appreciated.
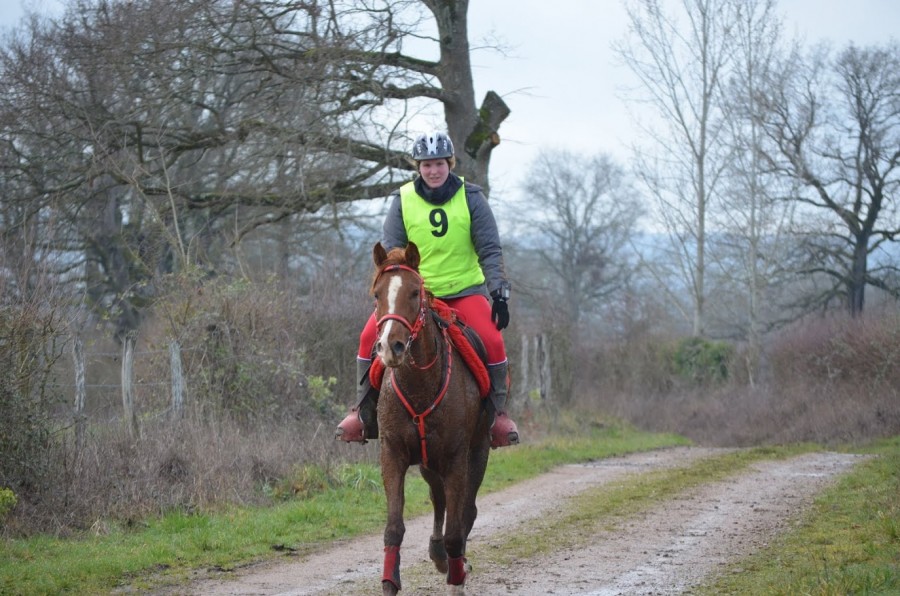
column 395, row 354
column 397, row 349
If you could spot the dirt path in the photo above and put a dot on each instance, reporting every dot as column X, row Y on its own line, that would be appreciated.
column 663, row 551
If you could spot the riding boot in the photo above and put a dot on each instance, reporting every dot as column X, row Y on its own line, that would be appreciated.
column 361, row 424
column 503, row 430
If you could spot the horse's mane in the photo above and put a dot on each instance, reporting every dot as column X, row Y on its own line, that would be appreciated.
column 396, row 256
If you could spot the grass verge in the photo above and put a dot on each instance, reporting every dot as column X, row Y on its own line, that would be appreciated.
column 847, row 543
column 163, row 551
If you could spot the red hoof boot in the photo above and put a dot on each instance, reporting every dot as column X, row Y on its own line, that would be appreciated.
column 351, row 429
column 504, row 431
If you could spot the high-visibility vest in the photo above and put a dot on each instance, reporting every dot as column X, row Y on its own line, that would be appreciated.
column 443, row 235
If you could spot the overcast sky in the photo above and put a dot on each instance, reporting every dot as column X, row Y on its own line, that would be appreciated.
column 559, row 76
column 564, row 84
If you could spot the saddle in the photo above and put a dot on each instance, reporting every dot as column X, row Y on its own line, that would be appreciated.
column 464, row 340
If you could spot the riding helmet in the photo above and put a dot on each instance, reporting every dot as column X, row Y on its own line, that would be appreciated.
column 433, row 145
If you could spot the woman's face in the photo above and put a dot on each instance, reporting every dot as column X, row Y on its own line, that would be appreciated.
column 434, row 171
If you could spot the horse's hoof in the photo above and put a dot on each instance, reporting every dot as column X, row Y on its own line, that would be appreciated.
column 438, row 554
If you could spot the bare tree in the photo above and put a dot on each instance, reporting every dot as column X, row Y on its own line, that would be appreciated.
column 578, row 214
column 752, row 249
column 571, row 247
column 160, row 133
column 833, row 126
column 681, row 59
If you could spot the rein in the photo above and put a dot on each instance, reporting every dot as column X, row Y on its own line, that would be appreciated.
column 414, row 329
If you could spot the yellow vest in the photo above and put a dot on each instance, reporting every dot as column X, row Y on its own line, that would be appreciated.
column 443, row 234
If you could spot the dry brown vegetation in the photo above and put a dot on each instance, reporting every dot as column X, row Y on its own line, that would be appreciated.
column 267, row 374
column 826, row 379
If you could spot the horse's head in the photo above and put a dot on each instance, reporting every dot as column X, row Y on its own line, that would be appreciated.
column 400, row 301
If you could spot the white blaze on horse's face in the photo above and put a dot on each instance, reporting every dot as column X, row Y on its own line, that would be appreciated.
column 390, row 356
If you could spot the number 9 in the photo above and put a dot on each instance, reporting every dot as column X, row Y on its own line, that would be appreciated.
column 438, row 218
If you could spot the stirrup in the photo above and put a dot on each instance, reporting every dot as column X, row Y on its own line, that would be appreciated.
column 351, row 429
column 504, row 431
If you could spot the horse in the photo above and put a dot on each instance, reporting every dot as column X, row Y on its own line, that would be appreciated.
column 430, row 414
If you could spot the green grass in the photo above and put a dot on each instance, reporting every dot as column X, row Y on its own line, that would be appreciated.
column 848, row 543
column 164, row 550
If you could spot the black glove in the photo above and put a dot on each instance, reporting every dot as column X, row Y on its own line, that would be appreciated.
column 500, row 309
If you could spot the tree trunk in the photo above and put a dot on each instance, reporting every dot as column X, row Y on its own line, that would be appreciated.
column 473, row 130
column 856, row 285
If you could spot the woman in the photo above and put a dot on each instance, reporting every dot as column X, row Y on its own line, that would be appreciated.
column 453, row 226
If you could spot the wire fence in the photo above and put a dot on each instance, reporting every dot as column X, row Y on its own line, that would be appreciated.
column 127, row 386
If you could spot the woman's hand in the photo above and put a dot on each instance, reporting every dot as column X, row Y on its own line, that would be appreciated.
column 499, row 310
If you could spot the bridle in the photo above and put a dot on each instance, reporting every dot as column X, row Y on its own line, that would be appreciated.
column 416, row 326
column 414, row 329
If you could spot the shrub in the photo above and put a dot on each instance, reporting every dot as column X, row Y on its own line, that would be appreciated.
column 7, row 502
column 702, row 361
column 840, row 349
column 261, row 350
column 30, row 345
column 656, row 366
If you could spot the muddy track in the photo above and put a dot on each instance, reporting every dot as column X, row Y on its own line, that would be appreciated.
column 665, row 550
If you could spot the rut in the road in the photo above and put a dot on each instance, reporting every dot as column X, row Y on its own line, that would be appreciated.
column 661, row 551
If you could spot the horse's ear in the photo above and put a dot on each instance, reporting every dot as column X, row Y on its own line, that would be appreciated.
column 379, row 255
column 412, row 255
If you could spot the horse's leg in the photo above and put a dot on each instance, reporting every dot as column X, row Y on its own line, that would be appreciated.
column 478, row 461
column 436, row 550
column 456, row 489
column 393, row 475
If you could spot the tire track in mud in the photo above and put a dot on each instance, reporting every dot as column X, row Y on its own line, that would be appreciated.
column 664, row 550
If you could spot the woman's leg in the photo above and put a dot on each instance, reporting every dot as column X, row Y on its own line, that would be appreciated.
column 362, row 421
column 475, row 312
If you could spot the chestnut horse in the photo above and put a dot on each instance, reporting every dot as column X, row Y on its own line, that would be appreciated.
column 430, row 413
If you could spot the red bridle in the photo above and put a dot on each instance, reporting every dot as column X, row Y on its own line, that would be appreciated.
column 415, row 327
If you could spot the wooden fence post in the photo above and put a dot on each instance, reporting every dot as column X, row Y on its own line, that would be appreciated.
column 80, row 391
column 128, row 384
column 545, row 369
column 524, row 387
column 177, row 378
